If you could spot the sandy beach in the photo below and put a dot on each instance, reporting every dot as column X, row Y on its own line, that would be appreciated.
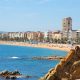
column 63, row 47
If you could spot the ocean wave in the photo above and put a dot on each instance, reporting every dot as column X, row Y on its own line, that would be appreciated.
column 14, row 57
column 19, row 58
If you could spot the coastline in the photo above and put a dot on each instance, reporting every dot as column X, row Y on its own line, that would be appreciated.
column 63, row 47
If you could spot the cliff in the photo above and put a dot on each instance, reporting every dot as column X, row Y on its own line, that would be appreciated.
column 67, row 69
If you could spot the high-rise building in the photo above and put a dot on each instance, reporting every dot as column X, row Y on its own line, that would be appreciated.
column 67, row 28
column 67, row 24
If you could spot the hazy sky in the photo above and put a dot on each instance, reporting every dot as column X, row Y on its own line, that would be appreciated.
column 34, row 15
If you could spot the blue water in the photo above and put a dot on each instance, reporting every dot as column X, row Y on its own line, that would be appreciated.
column 20, row 58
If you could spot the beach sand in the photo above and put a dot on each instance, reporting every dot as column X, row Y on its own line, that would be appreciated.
column 63, row 47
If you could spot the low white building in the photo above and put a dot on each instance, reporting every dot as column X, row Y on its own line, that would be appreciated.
column 78, row 33
column 16, row 35
column 57, row 35
column 74, row 35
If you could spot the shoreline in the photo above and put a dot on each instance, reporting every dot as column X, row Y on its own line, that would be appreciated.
column 62, row 47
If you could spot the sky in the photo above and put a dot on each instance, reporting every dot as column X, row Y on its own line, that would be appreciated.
column 38, row 15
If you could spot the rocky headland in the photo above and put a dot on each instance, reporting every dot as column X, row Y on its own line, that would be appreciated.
column 48, row 58
column 67, row 69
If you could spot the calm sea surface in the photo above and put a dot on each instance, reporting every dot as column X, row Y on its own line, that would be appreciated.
column 20, row 58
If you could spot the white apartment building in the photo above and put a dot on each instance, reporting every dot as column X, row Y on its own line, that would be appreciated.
column 16, row 35
column 78, row 33
column 57, row 35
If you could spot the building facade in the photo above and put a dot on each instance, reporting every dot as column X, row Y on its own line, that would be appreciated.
column 67, row 24
column 57, row 35
column 67, row 28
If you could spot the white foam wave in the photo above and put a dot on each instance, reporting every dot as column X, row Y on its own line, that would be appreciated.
column 14, row 57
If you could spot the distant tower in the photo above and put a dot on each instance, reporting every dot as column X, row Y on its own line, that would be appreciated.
column 67, row 24
column 67, row 28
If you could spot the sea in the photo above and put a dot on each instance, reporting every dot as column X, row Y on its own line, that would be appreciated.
column 21, row 58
